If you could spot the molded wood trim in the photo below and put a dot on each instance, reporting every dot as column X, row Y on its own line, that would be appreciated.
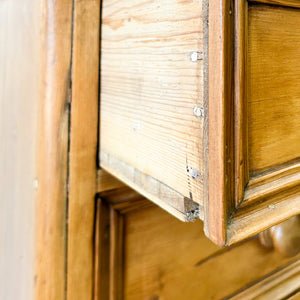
column 240, row 105
column 52, row 149
column 220, row 133
column 252, row 219
column 181, row 207
column 289, row 3
column 85, row 179
column 238, row 205
column 110, row 209
column 278, row 180
column 271, row 183
column 280, row 284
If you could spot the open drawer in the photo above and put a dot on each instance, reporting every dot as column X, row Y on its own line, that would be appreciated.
column 200, row 109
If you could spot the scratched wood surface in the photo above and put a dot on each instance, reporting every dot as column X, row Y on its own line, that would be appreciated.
column 149, row 88
column 273, row 86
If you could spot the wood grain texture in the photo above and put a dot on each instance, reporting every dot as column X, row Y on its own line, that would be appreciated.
column 52, row 149
column 181, row 207
column 270, row 183
column 101, row 251
column 220, row 155
column 240, row 105
column 106, row 182
column 153, row 270
column 116, row 255
column 83, row 148
column 149, row 88
column 289, row 3
column 261, row 199
column 282, row 284
column 85, row 179
column 273, row 86
column 197, row 269
column 252, row 219
column 108, row 240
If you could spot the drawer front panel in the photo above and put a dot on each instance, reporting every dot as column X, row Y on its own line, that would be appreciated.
column 144, row 253
column 273, row 86
column 257, row 170
column 229, row 155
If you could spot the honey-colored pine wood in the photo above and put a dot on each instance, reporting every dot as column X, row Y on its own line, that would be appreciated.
column 282, row 284
column 284, row 237
column 246, row 171
column 149, row 88
column 106, row 182
column 108, row 240
column 265, row 181
column 116, row 255
column 271, row 183
column 101, row 251
column 220, row 133
column 295, row 296
column 83, row 145
column 240, row 106
column 85, row 180
column 273, row 86
column 197, row 269
column 54, row 37
column 289, row 3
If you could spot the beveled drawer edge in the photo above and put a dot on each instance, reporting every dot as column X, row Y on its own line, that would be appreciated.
column 179, row 206
column 279, row 284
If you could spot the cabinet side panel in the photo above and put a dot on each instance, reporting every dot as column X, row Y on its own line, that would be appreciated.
column 149, row 89
column 18, row 101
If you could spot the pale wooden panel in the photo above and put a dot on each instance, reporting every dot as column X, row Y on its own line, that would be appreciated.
column 167, row 259
column 149, row 88
column 18, row 106
column 273, row 86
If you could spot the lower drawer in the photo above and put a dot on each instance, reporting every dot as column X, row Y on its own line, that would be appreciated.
column 148, row 254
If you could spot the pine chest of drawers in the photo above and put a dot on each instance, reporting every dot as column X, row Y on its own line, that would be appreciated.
column 199, row 109
column 193, row 104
